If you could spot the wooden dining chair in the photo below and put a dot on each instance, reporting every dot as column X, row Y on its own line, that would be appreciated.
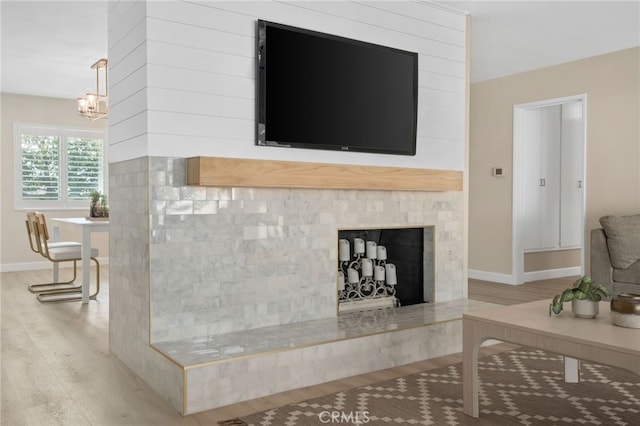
column 57, row 253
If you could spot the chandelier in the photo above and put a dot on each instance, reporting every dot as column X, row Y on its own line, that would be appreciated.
column 94, row 105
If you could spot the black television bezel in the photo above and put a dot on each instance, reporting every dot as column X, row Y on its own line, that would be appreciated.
column 261, row 93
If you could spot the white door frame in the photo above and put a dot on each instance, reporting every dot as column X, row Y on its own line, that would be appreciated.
column 517, row 257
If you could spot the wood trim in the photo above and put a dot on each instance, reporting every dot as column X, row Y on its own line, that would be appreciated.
column 218, row 171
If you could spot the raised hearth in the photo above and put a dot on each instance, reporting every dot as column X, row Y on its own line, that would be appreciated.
column 234, row 367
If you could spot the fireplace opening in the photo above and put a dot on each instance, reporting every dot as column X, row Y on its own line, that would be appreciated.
column 384, row 267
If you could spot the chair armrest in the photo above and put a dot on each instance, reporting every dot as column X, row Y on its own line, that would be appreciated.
column 601, row 269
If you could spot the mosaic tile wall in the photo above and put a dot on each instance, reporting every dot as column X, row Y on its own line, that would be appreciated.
column 230, row 259
column 129, row 326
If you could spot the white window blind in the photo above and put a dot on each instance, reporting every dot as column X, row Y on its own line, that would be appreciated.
column 57, row 168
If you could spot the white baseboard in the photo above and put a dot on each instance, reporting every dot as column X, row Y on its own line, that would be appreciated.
column 552, row 273
column 36, row 266
column 492, row 276
column 547, row 274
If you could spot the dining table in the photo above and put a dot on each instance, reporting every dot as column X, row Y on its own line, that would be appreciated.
column 87, row 226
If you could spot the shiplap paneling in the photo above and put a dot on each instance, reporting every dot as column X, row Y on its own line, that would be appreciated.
column 132, row 40
column 132, row 105
column 125, row 67
column 128, row 130
column 129, row 86
column 299, row 14
column 201, row 60
column 182, row 34
column 134, row 126
column 439, row 114
column 200, row 125
column 439, row 97
column 135, row 147
column 416, row 9
column 200, row 74
column 433, row 129
column 208, row 14
column 124, row 18
column 168, row 77
column 201, row 103
column 442, row 66
column 361, row 12
column 441, row 82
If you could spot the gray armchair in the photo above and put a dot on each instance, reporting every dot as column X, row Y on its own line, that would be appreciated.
column 615, row 254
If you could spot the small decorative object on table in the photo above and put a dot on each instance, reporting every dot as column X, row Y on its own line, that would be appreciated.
column 99, row 208
column 625, row 310
column 584, row 297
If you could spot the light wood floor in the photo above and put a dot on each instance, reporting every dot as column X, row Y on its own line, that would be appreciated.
column 57, row 369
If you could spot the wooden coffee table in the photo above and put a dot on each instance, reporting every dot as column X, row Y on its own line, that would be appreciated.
column 529, row 324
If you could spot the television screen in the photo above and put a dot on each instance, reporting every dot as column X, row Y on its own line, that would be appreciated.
column 321, row 91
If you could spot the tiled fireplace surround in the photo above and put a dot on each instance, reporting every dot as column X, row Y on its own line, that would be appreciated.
column 191, row 266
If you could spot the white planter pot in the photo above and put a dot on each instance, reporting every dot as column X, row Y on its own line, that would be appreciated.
column 584, row 308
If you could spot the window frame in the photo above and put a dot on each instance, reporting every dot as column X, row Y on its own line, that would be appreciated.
column 63, row 133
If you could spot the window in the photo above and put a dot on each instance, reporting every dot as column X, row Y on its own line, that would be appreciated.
column 57, row 168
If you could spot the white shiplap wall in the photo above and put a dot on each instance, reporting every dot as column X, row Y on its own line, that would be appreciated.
column 183, row 76
column 127, row 80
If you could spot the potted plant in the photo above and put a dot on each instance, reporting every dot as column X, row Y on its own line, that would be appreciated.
column 99, row 207
column 584, row 297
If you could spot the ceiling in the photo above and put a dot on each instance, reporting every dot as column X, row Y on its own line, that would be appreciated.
column 509, row 37
column 49, row 46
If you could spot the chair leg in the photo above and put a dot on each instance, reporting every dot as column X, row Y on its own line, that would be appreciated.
column 59, row 297
column 73, row 295
column 63, row 286
column 94, row 295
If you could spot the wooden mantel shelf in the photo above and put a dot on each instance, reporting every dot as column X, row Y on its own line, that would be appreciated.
column 217, row 171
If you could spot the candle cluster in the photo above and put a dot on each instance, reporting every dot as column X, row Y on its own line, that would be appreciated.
column 368, row 275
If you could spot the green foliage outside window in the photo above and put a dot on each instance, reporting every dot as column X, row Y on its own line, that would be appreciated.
column 40, row 167
column 84, row 174
column 60, row 168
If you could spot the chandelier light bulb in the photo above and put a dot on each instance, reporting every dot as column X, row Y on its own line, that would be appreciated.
column 82, row 106
column 91, row 101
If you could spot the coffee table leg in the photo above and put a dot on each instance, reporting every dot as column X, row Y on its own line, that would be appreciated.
column 571, row 370
column 470, row 347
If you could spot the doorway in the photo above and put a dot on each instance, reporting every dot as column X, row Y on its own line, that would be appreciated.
column 549, row 147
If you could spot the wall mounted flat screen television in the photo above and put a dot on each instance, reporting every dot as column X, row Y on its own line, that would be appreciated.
column 321, row 91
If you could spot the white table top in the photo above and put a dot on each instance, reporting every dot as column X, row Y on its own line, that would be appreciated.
column 80, row 221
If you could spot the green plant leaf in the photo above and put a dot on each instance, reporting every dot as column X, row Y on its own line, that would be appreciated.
column 579, row 294
column 585, row 286
column 568, row 295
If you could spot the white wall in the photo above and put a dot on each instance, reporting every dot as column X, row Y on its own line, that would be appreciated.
column 183, row 79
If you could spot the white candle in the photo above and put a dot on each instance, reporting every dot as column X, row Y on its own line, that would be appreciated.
column 382, row 252
column 391, row 274
column 344, row 251
column 352, row 276
column 358, row 245
column 371, row 250
column 340, row 280
column 367, row 268
column 379, row 273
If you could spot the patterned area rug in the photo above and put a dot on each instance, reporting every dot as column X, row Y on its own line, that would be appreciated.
column 518, row 387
